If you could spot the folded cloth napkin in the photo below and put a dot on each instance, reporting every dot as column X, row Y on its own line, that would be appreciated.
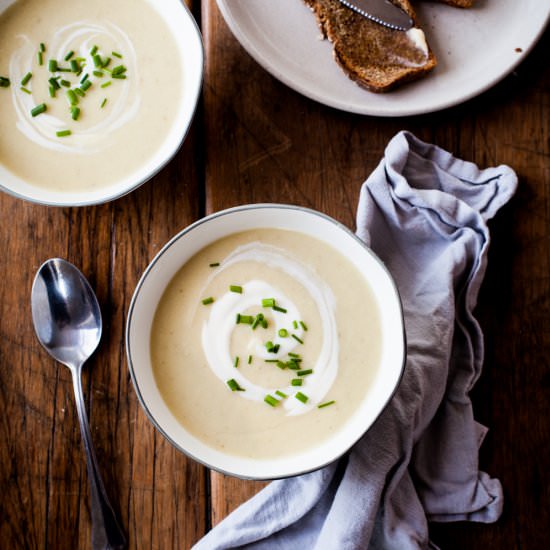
column 424, row 213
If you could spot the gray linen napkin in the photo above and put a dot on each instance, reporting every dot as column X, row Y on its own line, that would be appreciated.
column 424, row 213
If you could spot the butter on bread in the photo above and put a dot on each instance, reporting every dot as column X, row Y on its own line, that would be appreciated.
column 376, row 57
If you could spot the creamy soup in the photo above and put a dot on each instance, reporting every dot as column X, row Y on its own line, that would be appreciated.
column 265, row 342
column 92, row 89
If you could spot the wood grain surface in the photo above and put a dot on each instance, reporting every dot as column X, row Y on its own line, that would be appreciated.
column 255, row 140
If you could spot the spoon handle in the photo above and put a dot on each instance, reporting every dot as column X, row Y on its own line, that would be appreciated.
column 106, row 532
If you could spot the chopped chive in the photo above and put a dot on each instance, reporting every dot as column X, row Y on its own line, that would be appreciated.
column 63, row 133
column 234, row 385
column 99, row 74
column 40, row 58
column 297, row 339
column 75, row 66
column 295, row 324
column 236, row 362
column 75, row 113
column 116, row 54
column 84, row 78
column 238, row 319
column 4, row 82
column 296, row 382
column 304, row 372
column 25, row 79
column 65, row 83
column 52, row 65
column 304, row 326
column 280, row 309
column 86, row 85
column 69, row 55
column 54, row 83
column 42, row 47
column 301, row 397
column 296, row 355
column 271, row 347
column 281, row 394
column 282, row 365
column 256, row 322
column 80, row 92
column 26, row 90
column 264, row 323
column 326, row 404
column 106, row 84
column 236, row 288
column 120, row 76
column 271, row 360
column 268, row 302
column 52, row 91
column 106, row 62
column 270, row 400
column 98, row 62
column 207, row 301
column 244, row 319
column 120, row 69
column 38, row 110
column 293, row 366
column 93, row 51
column 249, row 359
column 71, row 96
column 63, row 70
column 103, row 103
column 283, row 333
column 215, row 264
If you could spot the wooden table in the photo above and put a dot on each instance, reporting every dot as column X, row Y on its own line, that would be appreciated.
column 255, row 140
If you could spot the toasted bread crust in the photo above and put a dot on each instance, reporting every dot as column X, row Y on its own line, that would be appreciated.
column 375, row 57
column 459, row 3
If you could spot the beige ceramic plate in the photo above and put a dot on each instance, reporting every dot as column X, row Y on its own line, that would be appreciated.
column 475, row 48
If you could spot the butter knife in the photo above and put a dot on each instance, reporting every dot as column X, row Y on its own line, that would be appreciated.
column 382, row 12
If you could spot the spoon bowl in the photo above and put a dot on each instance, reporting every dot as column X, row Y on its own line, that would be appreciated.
column 67, row 321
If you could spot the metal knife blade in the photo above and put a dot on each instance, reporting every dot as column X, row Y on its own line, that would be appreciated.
column 382, row 12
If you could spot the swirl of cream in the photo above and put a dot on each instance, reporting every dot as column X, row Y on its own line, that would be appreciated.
column 42, row 129
column 217, row 329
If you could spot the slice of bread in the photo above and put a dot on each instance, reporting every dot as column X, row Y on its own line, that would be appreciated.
column 376, row 57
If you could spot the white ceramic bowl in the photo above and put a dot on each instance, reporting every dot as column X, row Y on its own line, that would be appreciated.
column 200, row 234
column 189, row 42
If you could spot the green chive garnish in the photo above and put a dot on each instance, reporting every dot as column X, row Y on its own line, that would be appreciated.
column 71, row 96
column 106, row 84
column 80, row 92
column 304, row 372
column 280, row 309
column 99, row 74
column 271, row 360
column 207, row 301
column 236, row 288
column 304, row 326
column 249, row 359
column 84, row 78
column 97, row 61
column 93, row 51
column 234, row 385
column 42, row 47
column 52, row 65
column 63, row 69
column 86, row 85
column 52, row 91
column 297, row 339
column 247, row 319
column 295, row 355
column 295, row 324
column 119, row 70
column 116, row 54
column 4, row 82
column 296, row 382
column 65, row 83
column 106, row 62
column 63, row 133
column 215, row 264
column 25, row 79
column 301, row 397
column 270, row 400
column 26, row 90
column 54, row 83
column 327, row 404
column 268, row 302
column 282, row 365
column 75, row 113
column 39, row 109
column 283, row 333
column 40, row 58
column 236, row 362
column 293, row 366
column 69, row 55
column 103, row 103
column 120, row 76
column 281, row 394
column 75, row 66
column 259, row 320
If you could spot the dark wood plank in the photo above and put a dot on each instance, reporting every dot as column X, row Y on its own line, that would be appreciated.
column 267, row 143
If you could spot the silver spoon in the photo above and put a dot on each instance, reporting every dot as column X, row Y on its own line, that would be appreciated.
column 67, row 321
